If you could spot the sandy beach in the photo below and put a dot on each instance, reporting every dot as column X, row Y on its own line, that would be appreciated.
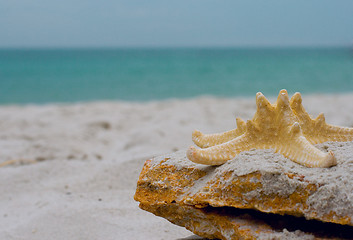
column 69, row 171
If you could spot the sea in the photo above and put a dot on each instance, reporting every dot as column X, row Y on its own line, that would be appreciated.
column 42, row 76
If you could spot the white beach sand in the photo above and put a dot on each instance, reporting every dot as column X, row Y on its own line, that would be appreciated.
column 75, row 167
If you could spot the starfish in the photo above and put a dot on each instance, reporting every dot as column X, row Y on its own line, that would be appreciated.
column 284, row 126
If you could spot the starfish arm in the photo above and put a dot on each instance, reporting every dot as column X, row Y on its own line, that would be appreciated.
column 336, row 134
column 219, row 154
column 209, row 140
column 317, row 130
column 326, row 132
column 301, row 151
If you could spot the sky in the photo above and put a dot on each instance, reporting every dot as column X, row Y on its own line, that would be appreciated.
column 182, row 23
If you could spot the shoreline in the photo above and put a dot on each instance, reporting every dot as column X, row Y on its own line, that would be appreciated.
column 173, row 99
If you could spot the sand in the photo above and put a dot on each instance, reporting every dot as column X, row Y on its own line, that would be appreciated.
column 69, row 171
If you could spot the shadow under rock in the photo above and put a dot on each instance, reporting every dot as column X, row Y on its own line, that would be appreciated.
column 278, row 223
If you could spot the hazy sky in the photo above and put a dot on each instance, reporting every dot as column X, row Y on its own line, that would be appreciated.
column 116, row 23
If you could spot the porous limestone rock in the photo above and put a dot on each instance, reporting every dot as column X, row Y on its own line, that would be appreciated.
column 214, row 202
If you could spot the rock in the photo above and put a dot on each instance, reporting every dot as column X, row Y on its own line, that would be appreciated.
column 215, row 202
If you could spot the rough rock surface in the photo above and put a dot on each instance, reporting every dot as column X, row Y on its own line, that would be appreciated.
column 203, row 198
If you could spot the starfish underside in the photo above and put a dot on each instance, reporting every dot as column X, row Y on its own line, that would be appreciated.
column 284, row 126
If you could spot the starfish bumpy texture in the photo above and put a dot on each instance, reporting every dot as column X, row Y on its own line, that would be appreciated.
column 284, row 126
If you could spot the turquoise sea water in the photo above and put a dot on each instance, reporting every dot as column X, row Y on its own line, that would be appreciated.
column 41, row 76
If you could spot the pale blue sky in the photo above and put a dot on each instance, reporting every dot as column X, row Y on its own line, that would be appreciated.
column 182, row 23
